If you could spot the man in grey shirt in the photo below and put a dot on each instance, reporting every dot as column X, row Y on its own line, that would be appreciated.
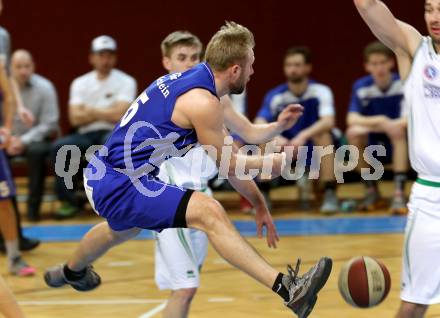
column 25, row 243
column 33, row 141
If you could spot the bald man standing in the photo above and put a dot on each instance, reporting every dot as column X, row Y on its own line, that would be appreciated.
column 33, row 142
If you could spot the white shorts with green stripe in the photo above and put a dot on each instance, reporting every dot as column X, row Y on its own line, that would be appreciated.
column 421, row 250
column 180, row 254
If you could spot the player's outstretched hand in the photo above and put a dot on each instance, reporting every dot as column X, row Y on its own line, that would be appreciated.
column 264, row 219
column 289, row 116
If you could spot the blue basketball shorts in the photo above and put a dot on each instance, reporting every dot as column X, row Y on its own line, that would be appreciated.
column 145, row 202
column 7, row 188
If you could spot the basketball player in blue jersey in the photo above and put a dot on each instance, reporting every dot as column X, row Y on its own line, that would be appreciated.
column 167, row 119
column 8, row 227
column 180, row 252
column 315, row 126
column 419, row 68
column 375, row 116
column 8, row 222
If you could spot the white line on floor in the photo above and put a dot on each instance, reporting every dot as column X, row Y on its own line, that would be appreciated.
column 154, row 311
column 221, row 300
column 120, row 264
column 90, row 302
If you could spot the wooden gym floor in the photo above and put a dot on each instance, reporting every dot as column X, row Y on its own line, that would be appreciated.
column 128, row 288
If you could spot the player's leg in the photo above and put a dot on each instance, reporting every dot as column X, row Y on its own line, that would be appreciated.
column 8, row 227
column 327, row 176
column 209, row 216
column 411, row 310
column 206, row 214
column 357, row 136
column 177, row 269
column 8, row 222
column 125, row 219
column 78, row 271
column 179, row 302
column 420, row 270
column 96, row 243
column 400, row 167
column 8, row 305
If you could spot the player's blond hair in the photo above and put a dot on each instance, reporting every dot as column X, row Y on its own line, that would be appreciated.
column 229, row 46
column 178, row 38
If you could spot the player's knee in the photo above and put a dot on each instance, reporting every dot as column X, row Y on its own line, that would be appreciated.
column 410, row 310
column 185, row 295
column 121, row 236
column 214, row 213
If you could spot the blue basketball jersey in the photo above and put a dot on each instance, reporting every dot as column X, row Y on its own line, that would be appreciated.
column 146, row 136
column 368, row 99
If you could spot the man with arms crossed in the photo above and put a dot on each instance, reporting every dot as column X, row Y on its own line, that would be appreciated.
column 170, row 116
column 419, row 66
column 180, row 252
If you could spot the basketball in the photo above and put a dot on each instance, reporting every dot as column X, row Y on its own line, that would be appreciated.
column 364, row 282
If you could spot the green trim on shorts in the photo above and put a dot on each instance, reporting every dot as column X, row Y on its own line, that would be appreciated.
column 428, row 183
column 406, row 251
column 185, row 244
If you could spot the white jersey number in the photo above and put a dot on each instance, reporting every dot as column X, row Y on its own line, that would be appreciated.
column 129, row 114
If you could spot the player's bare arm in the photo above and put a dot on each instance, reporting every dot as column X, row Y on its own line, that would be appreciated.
column 202, row 111
column 263, row 218
column 399, row 36
column 8, row 105
column 259, row 133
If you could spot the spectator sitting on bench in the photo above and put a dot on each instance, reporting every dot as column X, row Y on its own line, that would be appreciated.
column 33, row 141
column 97, row 102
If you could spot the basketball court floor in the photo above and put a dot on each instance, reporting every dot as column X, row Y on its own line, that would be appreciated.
column 128, row 288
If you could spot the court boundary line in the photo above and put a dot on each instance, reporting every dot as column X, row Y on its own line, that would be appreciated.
column 285, row 227
column 154, row 311
column 90, row 302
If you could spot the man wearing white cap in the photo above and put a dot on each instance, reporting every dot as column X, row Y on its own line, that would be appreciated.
column 98, row 100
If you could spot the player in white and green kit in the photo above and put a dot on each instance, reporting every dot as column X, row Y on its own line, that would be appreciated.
column 419, row 67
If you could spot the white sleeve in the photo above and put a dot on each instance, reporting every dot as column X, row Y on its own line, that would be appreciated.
column 128, row 91
column 404, row 108
column 326, row 101
column 76, row 93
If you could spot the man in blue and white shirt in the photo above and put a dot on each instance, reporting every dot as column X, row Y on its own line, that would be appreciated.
column 314, row 127
column 375, row 116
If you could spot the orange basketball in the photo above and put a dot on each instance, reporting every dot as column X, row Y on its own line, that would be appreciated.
column 364, row 282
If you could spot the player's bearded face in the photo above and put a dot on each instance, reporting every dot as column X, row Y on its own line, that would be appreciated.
column 238, row 86
column 246, row 70
column 432, row 14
